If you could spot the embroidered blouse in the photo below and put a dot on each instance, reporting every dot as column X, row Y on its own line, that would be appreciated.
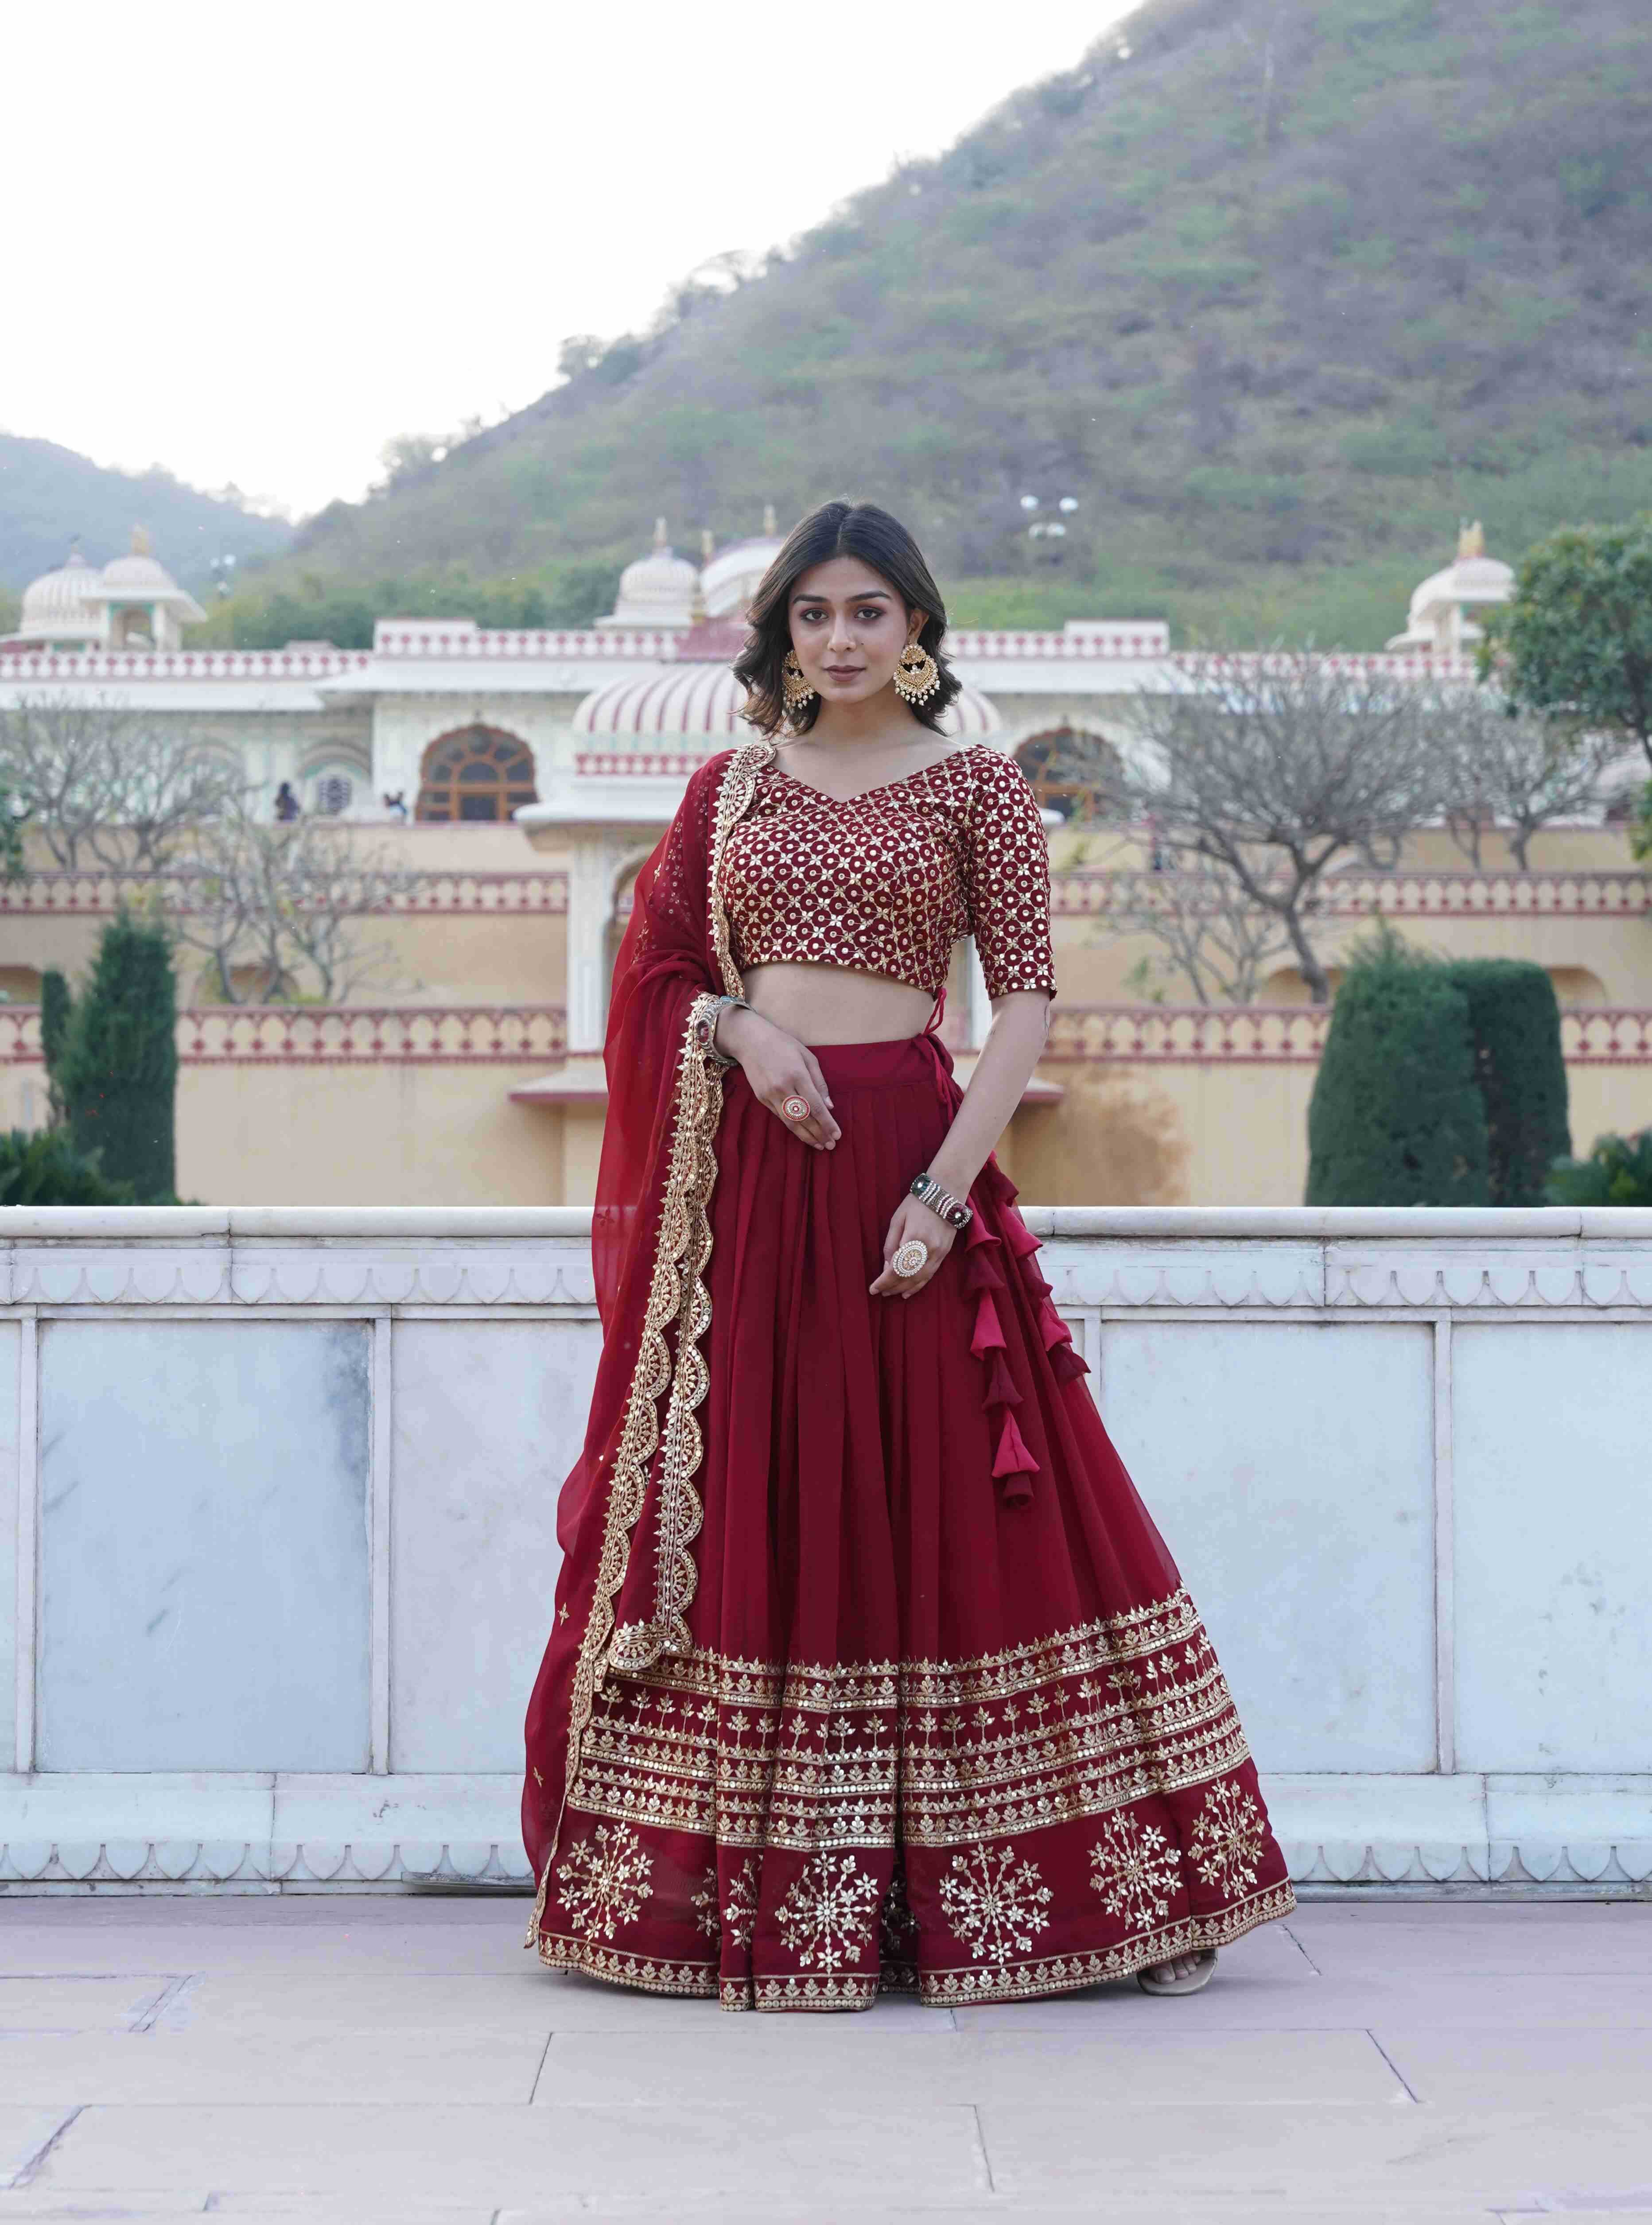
column 885, row 882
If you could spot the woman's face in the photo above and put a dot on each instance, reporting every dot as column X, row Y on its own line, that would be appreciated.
column 848, row 627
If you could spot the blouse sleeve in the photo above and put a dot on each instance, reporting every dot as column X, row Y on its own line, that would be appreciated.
column 1007, row 881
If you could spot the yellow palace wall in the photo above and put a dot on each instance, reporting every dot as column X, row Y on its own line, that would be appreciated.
column 1126, row 1132
column 1130, row 1127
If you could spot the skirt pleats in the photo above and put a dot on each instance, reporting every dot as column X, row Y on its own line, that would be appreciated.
column 940, row 1727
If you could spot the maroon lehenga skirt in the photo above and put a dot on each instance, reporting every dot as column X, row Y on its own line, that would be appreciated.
column 949, row 1721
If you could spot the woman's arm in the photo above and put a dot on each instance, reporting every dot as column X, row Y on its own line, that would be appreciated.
column 1002, row 1072
column 1014, row 1046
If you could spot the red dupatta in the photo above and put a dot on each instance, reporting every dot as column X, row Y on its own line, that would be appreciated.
column 628, row 1583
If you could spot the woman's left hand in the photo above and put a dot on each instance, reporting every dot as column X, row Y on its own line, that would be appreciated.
column 912, row 1220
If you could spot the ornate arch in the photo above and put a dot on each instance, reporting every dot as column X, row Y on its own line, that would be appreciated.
column 1071, row 771
column 476, row 773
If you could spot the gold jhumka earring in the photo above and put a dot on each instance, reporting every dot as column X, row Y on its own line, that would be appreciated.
column 916, row 676
column 795, row 690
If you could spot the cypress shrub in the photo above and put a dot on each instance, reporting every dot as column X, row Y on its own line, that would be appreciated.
column 1519, row 1068
column 1617, row 1171
column 119, row 1064
column 56, row 1006
column 1396, row 1117
column 45, row 1168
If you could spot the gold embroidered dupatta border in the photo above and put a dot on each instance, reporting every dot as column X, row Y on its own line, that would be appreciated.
column 676, row 1297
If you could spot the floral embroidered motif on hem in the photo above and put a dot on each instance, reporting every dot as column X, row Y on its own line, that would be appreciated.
column 933, row 1754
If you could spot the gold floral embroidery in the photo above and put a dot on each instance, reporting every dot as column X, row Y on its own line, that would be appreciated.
column 1066, row 1973
column 1136, row 1871
column 885, row 881
column 1228, row 1838
column 993, row 1902
column 740, row 1916
column 651, row 1974
column 1078, row 1725
column 826, row 1917
column 704, row 1905
column 676, row 1294
column 604, row 1880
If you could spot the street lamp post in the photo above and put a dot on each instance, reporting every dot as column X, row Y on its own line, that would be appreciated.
column 1046, row 529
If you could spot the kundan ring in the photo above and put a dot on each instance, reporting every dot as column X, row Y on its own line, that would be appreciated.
column 795, row 1108
column 912, row 1258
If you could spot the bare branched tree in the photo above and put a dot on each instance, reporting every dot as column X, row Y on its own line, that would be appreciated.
column 1213, row 940
column 1513, row 771
column 1270, row 769
column 282, row 909
column 101, row 785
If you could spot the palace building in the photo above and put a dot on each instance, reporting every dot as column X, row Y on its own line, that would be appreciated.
column 520, row 778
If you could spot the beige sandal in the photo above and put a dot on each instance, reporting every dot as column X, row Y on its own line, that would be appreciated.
column 1195, row 1982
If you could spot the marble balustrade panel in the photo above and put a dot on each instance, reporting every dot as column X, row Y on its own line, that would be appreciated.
column 10, row 1362
column 1291, row 1470
column 489, row 1417
column 204, row 1545
column 1554, row 1436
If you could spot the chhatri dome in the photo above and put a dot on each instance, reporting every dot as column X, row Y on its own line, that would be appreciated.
column 658, row 590
column 1439, row 624
column 55, row 613
column 730, row 578
column 133, row 603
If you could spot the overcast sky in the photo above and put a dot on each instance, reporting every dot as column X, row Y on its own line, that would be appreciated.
column 253, row 242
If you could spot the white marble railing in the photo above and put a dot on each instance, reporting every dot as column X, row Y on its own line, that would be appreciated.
column 277, row 1527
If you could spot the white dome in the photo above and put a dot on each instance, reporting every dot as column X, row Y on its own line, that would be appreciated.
column 658, row 590
column 696, row 700
column 1438, row 620
column 971, row 718
column 140, row 577
column 136, row 575
column 55, row 606
column 733, row 575
column 704, row 702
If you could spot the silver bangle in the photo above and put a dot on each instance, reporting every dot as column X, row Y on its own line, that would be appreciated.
column 950, row 1209
column 721, row 1006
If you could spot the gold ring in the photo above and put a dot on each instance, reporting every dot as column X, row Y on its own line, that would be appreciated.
column 795, row 1108
column 912, row 1258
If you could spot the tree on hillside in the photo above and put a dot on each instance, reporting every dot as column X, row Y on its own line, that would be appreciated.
column 1512, row 770
column 282, row 910
column 1575, row 639
column 1270, row 770
column 101, row 785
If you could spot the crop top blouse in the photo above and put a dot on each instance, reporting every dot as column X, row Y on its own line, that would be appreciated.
column 885, row 882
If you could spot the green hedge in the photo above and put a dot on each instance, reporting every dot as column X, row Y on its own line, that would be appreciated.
column 45, row 1168
column 118, row 1066
column 1617, row 1171
column 1396, row 1118
column 1441, row 1083
column 1514, row 1023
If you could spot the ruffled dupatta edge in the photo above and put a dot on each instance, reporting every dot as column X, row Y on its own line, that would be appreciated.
column 673, row 1369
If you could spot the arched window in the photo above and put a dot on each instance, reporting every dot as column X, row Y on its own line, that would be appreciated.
column 477, row 773
column 1071, row 772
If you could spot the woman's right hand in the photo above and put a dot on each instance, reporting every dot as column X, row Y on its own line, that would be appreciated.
column 777, row 1066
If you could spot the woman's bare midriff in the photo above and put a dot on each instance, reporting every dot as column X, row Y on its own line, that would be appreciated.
column 835, row 1005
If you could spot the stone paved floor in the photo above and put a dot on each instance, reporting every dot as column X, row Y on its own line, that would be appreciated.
column 399, row 2062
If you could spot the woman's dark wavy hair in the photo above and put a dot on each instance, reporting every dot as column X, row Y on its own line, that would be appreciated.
column 838, row 528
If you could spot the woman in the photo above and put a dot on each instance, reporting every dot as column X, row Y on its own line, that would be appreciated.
column 869, row 1669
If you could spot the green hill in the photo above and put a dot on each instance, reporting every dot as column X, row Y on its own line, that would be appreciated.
column 1277, row 294
column 49, row 496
